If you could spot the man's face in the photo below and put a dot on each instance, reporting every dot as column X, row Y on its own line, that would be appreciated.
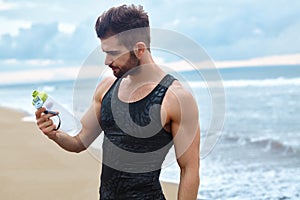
column 118, row 57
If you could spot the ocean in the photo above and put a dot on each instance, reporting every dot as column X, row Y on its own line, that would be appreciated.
column 257, row 154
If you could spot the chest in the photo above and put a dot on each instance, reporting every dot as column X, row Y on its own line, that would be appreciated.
column 133, row 109
column 131, row 94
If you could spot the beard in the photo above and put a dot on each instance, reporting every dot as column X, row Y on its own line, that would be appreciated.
column 129, row 68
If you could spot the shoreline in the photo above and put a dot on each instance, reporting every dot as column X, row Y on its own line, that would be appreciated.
column 33, row 167
column 71, row 72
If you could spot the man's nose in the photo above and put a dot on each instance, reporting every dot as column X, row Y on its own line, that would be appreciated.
column 108, row 60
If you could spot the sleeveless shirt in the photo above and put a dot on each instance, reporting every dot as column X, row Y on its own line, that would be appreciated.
column 135, row 144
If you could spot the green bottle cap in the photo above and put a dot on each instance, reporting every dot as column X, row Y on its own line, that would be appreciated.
column 39, row 96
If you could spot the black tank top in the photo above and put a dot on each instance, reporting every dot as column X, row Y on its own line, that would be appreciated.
column 135, row 144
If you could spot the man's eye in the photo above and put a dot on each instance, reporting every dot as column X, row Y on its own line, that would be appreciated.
column 113, row 53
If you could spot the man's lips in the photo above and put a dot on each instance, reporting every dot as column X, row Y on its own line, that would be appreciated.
column 113, row 67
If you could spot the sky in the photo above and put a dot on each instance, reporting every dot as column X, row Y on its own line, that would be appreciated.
column 45, row 33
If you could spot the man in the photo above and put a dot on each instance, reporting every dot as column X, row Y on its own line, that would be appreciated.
column 143, row 112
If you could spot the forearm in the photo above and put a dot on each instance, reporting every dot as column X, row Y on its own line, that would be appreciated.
column 189, row 184
column 68, row 143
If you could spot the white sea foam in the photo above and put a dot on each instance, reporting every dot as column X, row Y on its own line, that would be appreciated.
column 246, row 83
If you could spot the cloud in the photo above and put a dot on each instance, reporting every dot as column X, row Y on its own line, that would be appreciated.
column 7, row 6
column 275, row 60
column 284, row 41
column 29, row 43
column 12, row 27
column 66, row 28
column 50, row 41
column 47, row 11
column 227, row 30
column 236, row 30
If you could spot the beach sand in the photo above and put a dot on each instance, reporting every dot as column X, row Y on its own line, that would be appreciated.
column 33, row 167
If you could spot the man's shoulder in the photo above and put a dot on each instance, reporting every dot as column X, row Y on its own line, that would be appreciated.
column 180, row 102
column 178, row 91
column 103, row 87
column 178, row 95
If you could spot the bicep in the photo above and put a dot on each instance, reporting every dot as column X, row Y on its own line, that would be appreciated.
column 90, row 124
column 189, row 156
column 91, row 120
column 186, row 130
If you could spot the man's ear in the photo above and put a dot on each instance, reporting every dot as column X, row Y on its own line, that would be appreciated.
column 139, row 49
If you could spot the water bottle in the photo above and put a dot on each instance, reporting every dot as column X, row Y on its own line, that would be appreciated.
column 64, row 121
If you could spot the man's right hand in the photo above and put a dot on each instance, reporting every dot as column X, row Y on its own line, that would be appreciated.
column 45, row 123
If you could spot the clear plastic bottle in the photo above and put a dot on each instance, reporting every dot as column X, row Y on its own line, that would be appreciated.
column 65, row 120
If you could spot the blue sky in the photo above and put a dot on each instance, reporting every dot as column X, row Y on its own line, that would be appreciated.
column 62, row 32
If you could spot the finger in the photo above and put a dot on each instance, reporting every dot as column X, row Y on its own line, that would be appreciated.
column 49, row 130
column 46, row 124
column 47, row 116
column 43, row 118
column 40, row 121
column 39, row 112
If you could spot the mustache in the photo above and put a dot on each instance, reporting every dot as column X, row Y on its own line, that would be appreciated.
column 112, row 66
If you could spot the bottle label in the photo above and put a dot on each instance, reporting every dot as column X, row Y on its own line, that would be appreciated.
column 37, row 102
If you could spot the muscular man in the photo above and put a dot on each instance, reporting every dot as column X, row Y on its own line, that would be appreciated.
column 142, row 111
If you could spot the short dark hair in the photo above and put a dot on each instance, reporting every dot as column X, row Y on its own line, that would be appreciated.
column 124, row 18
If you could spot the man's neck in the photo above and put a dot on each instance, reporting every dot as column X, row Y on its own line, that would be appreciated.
column 145, row 73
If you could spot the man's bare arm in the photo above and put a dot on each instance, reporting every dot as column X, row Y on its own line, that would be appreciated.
column 186, row 133
column 90, row 124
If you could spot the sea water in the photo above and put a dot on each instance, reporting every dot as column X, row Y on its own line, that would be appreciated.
column 257, row 155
